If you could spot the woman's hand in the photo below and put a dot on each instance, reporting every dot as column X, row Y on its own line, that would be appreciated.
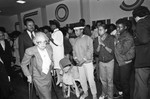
column 29, row 79
column 77, row 61
column 100, row 41
column 81, row 63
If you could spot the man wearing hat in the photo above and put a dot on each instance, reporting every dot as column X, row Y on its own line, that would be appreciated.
column 83, row 55
column 57, row 46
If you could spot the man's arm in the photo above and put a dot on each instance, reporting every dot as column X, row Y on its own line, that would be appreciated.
column 124, row 46
column 25, row 62
column 21, row 47
column 142, row 34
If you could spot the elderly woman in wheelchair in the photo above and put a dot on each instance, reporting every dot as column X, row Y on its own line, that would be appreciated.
column 70, row 77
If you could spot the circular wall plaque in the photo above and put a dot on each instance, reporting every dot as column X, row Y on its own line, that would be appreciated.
column 126, row 7
column 61, row 12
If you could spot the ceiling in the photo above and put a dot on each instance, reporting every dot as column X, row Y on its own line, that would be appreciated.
column 10, row 7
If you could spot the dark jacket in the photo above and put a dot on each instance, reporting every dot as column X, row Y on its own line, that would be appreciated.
column 142, row 42
column 124, row 48
column 24, row 42
column 103, row 54
column 4, row 83
column 67, row 46
column 6, row 56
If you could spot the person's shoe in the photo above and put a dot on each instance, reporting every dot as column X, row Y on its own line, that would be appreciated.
column 60, row 84
column 102, row 97
column 119, row 94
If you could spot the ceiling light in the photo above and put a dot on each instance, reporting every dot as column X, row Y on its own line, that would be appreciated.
column 21, row 1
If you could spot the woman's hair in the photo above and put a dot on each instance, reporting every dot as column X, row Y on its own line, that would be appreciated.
column 103, row 25
column 38, row 35
column 140, row 11
column 110, row 28
column 123, row 21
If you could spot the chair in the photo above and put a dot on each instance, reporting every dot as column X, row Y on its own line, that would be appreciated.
column 70, row 78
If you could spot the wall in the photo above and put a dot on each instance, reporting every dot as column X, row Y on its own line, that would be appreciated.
column 91, row 10
column 74, row 11
column 4, row 21
column 109, row 9
column 85, row 10
column 12, row 21
column 37, row 17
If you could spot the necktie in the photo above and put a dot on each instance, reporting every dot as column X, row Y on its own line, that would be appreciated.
column 32, row 36
column 3, row 44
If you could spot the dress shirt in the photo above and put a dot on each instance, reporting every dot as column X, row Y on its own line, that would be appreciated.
column 31, row 34
column 46, row 60
column 2, row 44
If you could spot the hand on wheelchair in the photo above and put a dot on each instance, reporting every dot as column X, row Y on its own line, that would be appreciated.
column 81, row 63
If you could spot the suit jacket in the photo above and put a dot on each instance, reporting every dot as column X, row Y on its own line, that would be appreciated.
column 6, row 56
column 24, row 42
column 33, row 52
column 4, row 83
column 41, row 80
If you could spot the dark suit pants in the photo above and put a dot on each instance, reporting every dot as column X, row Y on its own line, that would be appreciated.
column 122, row 77
column 141, row 83
column 4, row 83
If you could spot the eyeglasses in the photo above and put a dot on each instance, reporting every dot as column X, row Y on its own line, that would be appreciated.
column 40, row 42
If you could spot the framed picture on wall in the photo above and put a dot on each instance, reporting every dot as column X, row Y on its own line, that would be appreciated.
column 17, row 26
column 105, row 21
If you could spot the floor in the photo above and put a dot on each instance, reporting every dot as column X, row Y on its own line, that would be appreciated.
column 21, row 90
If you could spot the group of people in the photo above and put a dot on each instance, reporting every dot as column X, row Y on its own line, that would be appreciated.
column 118, row 52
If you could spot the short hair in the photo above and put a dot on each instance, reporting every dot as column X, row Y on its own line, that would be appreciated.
column 82, row 20
column 110, row 28
column 140, row 11
column 27, row 20
column 40, row 34
column 103, row 25
column 123, row 21
column 54, row 22
column 47, row 28
column 2, row 29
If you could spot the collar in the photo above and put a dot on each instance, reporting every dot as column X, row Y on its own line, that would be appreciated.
column 55, row 30
column 29, row 33
column 81, row 36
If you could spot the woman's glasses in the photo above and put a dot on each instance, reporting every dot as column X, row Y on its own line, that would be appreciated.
column 42, row 42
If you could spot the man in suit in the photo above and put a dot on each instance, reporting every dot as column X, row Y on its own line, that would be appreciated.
column 25, row 39
column 5, row 52
column 5, row 66
column 4, row 83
